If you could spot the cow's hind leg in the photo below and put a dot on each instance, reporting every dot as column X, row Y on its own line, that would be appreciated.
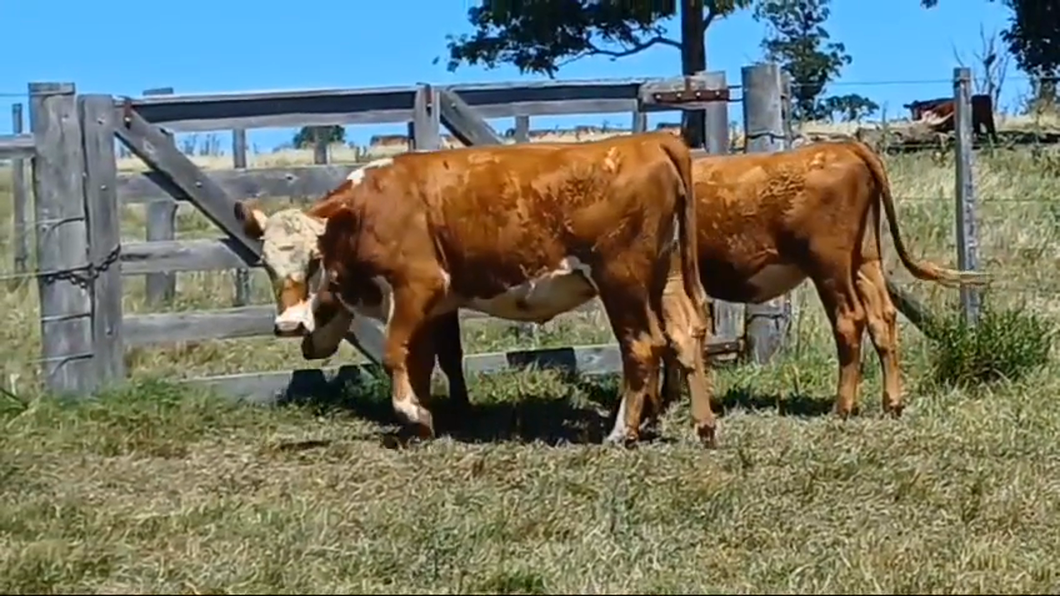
column 883, row 329
column 847, row 315
column 641, row 343
column 684, row 361
column 450, row 352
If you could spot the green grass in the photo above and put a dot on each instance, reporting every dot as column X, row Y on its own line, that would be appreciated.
column 154, row 488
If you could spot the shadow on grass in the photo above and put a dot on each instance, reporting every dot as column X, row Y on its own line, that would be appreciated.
column 800, row 405
column 552, row 419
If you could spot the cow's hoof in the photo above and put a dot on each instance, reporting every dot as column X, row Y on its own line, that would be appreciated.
column 623, row 439
column 895, row 410
column 708, row 436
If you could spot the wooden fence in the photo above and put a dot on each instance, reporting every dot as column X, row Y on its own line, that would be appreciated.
column 79, row 193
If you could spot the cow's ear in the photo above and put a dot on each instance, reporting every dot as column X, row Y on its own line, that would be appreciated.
column 249, row 214
column 339, row 228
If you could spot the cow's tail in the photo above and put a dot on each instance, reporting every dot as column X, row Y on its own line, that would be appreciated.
column 685, row 214
column 923, row 270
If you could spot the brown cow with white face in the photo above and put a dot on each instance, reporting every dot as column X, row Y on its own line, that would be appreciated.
column 289, row 254
column 521, row 233
column 768, row 221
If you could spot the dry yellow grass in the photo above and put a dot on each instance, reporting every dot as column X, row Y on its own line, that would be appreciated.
column 157, row 489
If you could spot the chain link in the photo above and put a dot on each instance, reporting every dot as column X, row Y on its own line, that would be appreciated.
column 82, row 277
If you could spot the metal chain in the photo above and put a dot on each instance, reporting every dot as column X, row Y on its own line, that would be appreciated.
column 82, row 277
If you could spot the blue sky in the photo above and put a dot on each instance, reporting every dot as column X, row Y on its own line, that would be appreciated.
column 901, row 52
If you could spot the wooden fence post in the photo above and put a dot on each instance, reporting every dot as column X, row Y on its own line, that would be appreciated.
column 726, row 315
column 967, row 234
column 97, row 115
column 522, row 129
column 639, row 123
column 21, row 197
column 239, row 162
column 62, row 242
column 766, row 324
column 161, row 226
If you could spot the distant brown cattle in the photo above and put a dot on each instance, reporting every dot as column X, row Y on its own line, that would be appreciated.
column 767, row 222
column 520, row 232
column 939, row 114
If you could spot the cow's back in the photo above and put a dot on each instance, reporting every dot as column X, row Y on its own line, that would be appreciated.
column 501, row 215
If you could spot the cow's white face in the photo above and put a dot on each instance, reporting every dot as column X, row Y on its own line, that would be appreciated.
column 289, row 253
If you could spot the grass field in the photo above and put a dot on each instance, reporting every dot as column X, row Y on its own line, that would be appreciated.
column 156, row 489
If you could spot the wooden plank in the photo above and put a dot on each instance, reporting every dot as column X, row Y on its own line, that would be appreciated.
column 155, row 149
column 283, row 109
column 522, row 129
column 221, row 254
column 21, row 194
column 16, row 146
column 279, row 386
column 266, row 183
column 230, row 323
column 104, row 234
column 766, row 325
column 682, row 93
column 463, row 122
column 62, row 241
column 241, row 295
column 161, row 286
column 967, row 232
column 425, row 127
column 639, row 123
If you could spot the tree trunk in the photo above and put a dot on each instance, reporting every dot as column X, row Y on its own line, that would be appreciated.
column 693, row 60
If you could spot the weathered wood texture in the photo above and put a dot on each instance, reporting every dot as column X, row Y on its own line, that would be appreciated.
column 463, row 122
column 161, row 287
column 20, row 193
column 967, row 232
column 174, row 178
column 766, row 325
column 297, row 183
column 62, row 242
column 16, row 146
column 243, row 321
column 282, row 386
column 104, row 235
column 285, row 109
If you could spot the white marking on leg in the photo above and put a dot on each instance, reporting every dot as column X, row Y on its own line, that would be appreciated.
column 618, row 431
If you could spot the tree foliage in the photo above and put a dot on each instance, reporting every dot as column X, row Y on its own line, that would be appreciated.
column 540, row 36
column 797, row 40
column 306, row 136
column 1033, row 39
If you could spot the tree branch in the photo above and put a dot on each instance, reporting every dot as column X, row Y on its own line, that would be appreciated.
column 595, row 50
column 712, row 11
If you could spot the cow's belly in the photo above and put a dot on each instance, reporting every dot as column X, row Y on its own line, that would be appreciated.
column 724, row 282
column 542, row 298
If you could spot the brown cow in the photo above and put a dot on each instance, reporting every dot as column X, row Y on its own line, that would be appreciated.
column 939, row 114
column 521, row 233
column 766, row 222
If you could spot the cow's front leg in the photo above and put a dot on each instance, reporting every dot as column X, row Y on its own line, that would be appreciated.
column 409, row 359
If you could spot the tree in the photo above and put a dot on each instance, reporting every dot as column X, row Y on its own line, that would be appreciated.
column 1033, row 39
column 797, row 40
column 540, row 36
column 306, row 136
